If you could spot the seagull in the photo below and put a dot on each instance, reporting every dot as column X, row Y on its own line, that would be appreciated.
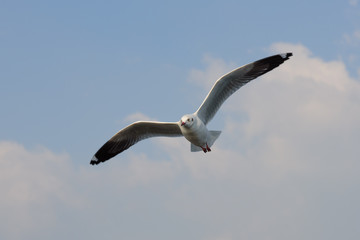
column 191, row 126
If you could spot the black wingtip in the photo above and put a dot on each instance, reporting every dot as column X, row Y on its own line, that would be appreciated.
column 286, row 56
column 94, row 161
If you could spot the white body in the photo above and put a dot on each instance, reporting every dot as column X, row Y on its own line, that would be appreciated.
column 194, row 130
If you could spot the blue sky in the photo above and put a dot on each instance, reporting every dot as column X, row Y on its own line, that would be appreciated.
column 73, row 73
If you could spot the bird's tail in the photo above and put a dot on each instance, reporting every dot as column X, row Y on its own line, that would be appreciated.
column 211, row 139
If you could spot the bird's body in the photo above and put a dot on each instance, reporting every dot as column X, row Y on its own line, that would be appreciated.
column 195, row 131
column 191, row 126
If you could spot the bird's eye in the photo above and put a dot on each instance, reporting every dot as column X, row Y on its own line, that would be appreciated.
column 188, row 120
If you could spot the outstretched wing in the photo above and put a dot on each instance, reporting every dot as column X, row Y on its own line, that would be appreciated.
column 132, row 134
column 231, row 82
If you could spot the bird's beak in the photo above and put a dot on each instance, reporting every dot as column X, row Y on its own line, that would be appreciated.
column 182, row 123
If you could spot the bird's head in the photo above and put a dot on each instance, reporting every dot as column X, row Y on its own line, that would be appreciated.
column 187, row 121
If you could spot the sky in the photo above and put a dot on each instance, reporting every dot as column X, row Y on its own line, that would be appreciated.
column 73, row 73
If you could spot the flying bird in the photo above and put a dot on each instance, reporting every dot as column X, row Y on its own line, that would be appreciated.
column 191, row 126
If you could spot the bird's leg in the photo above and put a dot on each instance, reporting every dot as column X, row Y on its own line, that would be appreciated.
column 204, row 149
column 207, row 148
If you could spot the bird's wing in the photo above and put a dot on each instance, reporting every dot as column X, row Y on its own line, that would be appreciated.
column 231, row 82
column 132, row 134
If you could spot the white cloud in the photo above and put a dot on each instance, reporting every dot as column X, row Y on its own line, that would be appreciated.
column 45, row 196
column 32, row 182
column 285, row 167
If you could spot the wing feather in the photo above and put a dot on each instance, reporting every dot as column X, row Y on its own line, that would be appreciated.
column 231, row 82
column 132, row 134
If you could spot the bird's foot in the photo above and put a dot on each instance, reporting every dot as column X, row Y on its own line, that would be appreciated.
column 207, row 148
column 204, row 149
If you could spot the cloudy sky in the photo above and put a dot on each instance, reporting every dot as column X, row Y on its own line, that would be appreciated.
column 73, row 73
